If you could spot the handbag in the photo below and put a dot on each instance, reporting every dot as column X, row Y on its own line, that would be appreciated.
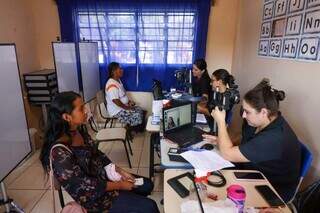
column 71, row 207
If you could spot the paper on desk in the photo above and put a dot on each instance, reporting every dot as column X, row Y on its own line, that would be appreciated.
column 201, row 119
column 206, row 161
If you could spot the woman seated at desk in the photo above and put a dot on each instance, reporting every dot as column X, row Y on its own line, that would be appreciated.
column 221, row 80
column 118, row 103
column 268, row 142
column 201, row 86
column 86, row 173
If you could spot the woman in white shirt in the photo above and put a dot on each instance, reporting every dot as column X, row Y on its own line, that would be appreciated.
column 118, row 103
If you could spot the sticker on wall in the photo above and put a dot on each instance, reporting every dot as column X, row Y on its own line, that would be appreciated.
column 290, row 48
column 263, row 47
column 290, row 29
column 309, row 48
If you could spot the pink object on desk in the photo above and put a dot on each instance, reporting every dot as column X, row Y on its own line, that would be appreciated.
column 237, row 194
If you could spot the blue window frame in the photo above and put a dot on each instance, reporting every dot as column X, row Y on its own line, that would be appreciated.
column 140, row 37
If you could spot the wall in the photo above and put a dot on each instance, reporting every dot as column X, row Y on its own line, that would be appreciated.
column 299, row 79
column 17, row 27
column 47, row 29
column 221, row 34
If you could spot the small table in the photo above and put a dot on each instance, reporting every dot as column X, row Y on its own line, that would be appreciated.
column 172, row 200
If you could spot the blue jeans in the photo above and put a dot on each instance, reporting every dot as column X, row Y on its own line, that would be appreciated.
column 135, row 201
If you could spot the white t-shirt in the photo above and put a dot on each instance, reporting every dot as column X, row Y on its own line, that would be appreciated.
column 115, row 90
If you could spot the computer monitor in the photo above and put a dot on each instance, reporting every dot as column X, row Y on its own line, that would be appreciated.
column 176, row 117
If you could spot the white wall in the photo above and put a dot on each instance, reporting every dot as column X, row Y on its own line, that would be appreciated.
column 299, row 79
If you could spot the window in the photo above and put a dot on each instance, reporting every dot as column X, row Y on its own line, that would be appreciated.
column 149, row 38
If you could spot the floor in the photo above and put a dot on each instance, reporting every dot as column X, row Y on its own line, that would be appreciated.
column 28, row 187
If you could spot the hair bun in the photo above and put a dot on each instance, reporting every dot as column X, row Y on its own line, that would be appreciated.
column 264, row 84
column 280, row 95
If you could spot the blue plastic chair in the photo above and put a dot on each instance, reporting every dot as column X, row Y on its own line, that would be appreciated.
column 229, row 117
column 306, row 159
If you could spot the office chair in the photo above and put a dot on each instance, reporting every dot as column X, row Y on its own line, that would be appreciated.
column 306, row 159
column 109, row 134
column 229, row 117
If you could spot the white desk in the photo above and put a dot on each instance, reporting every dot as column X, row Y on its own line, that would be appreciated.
column 165, row 145
column 172, row 200
column 152, row 128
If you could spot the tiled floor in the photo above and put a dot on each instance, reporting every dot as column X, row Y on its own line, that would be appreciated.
column 29, row 188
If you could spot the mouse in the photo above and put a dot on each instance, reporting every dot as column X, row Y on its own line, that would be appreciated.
column 207, row 146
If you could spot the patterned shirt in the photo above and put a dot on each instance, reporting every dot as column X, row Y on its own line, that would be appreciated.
column 82, row 175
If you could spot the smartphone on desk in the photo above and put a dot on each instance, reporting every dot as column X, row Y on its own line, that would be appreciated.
column 269, row 195
column 253, row 176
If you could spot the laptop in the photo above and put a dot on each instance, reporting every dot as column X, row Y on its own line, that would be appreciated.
column 178, row 126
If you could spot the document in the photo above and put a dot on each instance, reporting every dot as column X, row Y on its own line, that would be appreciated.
column 200, row 119
column 206, row 161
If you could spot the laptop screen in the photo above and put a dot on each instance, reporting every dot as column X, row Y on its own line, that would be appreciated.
column 176, row 117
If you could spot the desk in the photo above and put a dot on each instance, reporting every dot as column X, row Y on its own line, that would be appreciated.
column 164, row 148
column 172, row 200
column 154, row 137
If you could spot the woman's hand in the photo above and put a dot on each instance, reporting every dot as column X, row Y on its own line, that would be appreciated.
column 126, row 176
column 210, row 138
column 126, row 185
column 131, row 103
column 219, row 116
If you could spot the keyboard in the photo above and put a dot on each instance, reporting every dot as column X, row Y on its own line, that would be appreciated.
column 186, row 137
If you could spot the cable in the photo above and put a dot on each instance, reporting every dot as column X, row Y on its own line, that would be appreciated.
column 222, row 182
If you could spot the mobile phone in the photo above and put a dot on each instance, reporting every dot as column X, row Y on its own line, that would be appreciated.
column 268, row 194
column 249, row 176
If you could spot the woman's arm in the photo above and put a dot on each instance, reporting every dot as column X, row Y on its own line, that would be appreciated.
column 120, row 104
column 120, row 185
column 226, row 147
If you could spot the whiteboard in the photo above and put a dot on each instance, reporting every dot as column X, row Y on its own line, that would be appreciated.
column 65, row 61
column 89, row 69
column 14, row 137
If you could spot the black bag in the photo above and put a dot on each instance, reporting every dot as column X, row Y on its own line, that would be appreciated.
column 308, row 200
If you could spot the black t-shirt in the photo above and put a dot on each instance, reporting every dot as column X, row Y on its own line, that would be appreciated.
column 202, row 86
column 276, row 152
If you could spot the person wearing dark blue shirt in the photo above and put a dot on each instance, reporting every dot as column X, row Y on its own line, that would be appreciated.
column 268, row 142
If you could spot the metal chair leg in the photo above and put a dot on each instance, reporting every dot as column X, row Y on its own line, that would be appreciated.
column 124, row 144
column 130, row 149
